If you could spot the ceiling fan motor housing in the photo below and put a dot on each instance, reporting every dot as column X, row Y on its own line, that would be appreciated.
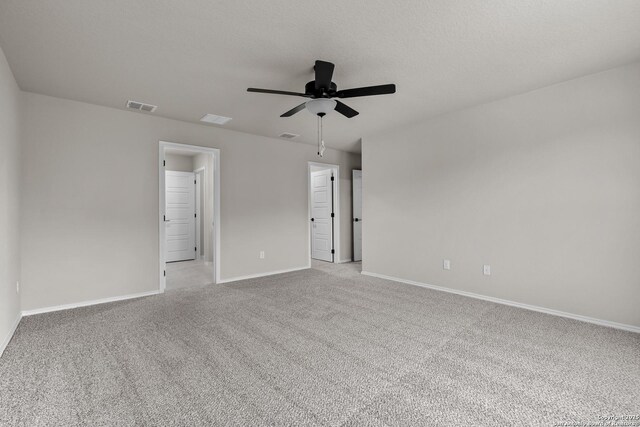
column 310, row 89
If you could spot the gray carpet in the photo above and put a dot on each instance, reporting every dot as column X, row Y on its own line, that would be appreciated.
column 324, row 346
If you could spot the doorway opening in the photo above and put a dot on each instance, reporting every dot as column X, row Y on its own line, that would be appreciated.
column 324, row 213
column 189, row 209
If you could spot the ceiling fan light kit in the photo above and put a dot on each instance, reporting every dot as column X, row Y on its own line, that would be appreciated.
column 320, row 106
column 321, row 91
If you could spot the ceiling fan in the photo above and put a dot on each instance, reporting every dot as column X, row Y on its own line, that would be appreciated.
column 322, row 90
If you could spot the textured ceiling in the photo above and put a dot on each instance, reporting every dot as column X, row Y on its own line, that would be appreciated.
column 199, row 56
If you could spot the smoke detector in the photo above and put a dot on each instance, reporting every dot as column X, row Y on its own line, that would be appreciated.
column 141, row 106
column 287, row 135
column 214, row 119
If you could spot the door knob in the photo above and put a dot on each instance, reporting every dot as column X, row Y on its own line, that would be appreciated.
column 312, row 219
column 356, row 219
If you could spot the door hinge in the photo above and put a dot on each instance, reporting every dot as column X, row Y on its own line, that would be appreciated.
column 164, row 163
column 164, row 217
column 332, row 251
column 195, row 215
column 195, row 249
column 194, row 181
column 332, row 214
column 165, row 273
column 332, row 178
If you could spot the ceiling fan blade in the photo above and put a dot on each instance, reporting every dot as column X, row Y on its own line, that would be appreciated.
column 276, row 92
column 345, row 110
column 366, row 91
column 324, row 73
column 294, row 110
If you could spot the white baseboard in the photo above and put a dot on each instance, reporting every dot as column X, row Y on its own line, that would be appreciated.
column 343, row 261
column 255, row 276
column 6, row 340
column 625, row 327
column 87, row 303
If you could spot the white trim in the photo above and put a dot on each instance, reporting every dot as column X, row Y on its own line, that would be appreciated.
column 12, row 331
column 270, row 273
column 87, row 303
column 198, row 175
column 162, row 146
column 354, row 173
column 601, row 322
column 336, row 208
column 344, row 261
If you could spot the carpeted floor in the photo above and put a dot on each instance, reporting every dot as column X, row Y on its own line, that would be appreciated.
column 324, row 346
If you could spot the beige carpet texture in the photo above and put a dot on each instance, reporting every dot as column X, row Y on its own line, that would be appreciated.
column 319, row 347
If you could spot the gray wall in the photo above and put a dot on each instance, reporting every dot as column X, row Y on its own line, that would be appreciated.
column 544, row 186
column 178, row 162
column 90, row 198
column 10, row 114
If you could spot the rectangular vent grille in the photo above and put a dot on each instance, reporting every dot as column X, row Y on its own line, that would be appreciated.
column 215, row 119
column 287, row 135
column 141, row 106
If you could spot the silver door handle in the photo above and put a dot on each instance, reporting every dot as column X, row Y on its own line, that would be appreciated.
column 167, row 220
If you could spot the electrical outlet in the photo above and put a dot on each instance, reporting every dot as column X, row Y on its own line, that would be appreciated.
column 487, row 270
column 446, row 264
column 261, row 254
column 17, row 287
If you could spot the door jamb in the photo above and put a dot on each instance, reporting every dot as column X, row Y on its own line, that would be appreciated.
column 162, row 145
column 336, row 208
column 355, row 172
column 199, row 175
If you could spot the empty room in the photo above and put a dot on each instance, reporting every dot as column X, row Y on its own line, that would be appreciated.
column 304, row 213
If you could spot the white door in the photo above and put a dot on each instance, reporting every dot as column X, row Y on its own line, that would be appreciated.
column 180, row 216
column 357, row 215
column 321, row 210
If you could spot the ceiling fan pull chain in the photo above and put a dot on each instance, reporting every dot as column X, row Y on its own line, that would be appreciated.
column 319, row 136
column 321, row 141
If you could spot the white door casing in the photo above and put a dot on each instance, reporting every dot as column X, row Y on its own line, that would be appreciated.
column 357, row 215
column 180, row 216
column 321, row 220
column 198, row 216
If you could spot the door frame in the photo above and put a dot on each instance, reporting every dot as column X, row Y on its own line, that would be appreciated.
column 162, row 267
column 355, row 172
column 336, row 208
column 199, row 174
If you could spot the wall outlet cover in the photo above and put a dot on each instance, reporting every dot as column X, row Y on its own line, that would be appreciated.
column 446, row 264
column 487, row 270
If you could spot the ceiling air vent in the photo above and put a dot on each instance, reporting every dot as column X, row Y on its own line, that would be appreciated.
column 214, row 119
column 141, row 106
column 287, row 135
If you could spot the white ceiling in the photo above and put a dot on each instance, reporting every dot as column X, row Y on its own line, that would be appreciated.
column 199, row 56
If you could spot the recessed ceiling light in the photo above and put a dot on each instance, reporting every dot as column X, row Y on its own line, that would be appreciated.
column 216, row 120
column 287, row 135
